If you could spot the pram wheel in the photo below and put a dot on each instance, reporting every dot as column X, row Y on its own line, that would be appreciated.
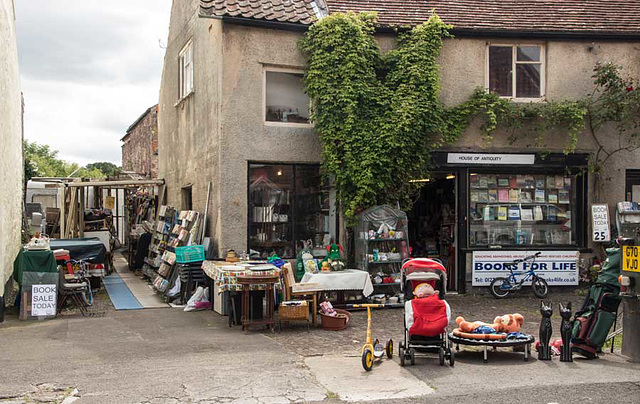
column 401, row 353
column 441, row 355
column 412, row 356
column 389, row 348
column 452, row 357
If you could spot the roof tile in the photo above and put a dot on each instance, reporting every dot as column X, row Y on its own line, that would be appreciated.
column 549, row 16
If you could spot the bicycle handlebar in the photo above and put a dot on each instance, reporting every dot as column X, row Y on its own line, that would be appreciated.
column 536, row 255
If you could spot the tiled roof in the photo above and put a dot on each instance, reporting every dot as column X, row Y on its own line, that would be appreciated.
column 546, row 16
column 611, row 16
column 291, row 11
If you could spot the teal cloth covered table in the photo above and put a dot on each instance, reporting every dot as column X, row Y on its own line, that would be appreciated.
column 28, row 263
column 35, row 268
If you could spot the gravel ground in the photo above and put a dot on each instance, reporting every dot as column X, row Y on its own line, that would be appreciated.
column 388, row 322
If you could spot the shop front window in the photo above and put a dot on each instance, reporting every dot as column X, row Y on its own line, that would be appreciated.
column 289, row 208
column 522, row 210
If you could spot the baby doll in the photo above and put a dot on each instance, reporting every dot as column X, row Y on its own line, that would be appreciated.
column 421, row 291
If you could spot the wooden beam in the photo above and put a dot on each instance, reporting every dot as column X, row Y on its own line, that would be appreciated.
column 116, row 184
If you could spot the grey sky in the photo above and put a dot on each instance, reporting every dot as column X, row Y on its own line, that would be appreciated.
column 89, row 69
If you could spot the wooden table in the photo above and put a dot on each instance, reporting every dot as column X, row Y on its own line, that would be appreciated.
column 246, row 282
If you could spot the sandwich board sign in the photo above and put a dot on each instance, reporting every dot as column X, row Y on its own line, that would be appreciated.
column 43, row 300
column 600, row 223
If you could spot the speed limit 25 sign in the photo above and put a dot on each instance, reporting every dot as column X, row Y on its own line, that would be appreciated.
column 600, row 223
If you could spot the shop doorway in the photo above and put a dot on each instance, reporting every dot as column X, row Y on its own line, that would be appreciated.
column 432, row 223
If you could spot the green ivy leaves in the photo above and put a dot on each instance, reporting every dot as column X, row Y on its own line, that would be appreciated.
column 380, row 117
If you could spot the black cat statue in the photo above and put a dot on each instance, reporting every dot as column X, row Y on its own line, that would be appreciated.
column 544, row 353
column 565, row 331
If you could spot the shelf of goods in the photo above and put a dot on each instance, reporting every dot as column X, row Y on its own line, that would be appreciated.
column 381, row 247
column 521, row 209
column 171, row 230
column 280, row 214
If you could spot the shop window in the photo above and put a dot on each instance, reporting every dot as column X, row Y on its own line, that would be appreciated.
column 289, row 208
column 285, row 100
column 186, row 70
column 516, row 71
column 532, row 210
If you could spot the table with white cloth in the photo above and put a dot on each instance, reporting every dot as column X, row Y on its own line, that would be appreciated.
column 340, row 281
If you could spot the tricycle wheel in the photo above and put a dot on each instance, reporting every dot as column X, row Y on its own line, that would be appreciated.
column 389, row 348
column 412, row 356
column 367, row 359
column 441, row 356
column 452, row 357
column 401, row 353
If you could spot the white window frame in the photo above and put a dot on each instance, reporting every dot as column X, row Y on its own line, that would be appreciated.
column 266, row 69
column 185, row 65
column 514, row 62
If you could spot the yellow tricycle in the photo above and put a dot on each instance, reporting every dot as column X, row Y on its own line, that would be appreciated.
column 373, row 349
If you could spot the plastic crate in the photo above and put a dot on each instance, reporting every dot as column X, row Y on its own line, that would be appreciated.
column 192, row 253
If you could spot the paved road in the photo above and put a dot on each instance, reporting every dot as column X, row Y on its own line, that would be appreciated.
column 169, row 356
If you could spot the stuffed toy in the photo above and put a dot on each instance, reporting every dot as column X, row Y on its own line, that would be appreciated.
column 469, row 327
column 333, row 258
column 509, row 322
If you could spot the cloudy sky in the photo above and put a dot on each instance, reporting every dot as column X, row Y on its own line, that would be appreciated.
column 89, row 69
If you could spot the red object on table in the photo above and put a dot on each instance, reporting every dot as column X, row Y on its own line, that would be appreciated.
column 246, row 282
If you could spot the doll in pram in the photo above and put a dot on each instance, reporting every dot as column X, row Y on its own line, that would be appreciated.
column 426, row 313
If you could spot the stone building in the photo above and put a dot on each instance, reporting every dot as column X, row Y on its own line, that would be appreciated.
column 11, row 164
column 140, row 147
column 232, row 113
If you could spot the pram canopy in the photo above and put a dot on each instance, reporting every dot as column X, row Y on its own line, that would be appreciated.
column 420, row 270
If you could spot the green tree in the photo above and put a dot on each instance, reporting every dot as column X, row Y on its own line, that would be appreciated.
column 42, row 161
column 107, row 168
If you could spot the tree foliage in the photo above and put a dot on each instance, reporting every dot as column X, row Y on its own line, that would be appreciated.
column 42, row 161
column 380, row 117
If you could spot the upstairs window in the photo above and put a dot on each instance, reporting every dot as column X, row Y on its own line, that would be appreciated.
column 516, row 71
column 285, row 100
column 186, row 70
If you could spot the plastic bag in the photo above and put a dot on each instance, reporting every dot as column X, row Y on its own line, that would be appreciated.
column 199, row 300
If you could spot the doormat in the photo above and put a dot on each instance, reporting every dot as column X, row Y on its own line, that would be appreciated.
column 119, row 293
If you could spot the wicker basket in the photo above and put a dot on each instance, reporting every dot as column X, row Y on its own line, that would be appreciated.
column 336, row 323
column 286, row 313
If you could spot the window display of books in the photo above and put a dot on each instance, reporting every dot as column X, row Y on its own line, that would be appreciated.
column 520, row 209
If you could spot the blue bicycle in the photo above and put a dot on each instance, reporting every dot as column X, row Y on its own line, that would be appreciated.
column 501, row 287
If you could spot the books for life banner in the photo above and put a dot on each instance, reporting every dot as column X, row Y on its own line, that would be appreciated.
column 556, row 267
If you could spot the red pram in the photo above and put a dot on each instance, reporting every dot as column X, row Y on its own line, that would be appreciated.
column 428, row 333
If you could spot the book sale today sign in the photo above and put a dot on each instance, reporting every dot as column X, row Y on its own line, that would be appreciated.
column 43, row 300
column 556, row 267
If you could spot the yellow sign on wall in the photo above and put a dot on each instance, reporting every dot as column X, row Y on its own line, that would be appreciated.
column 631, row 258
column 109, row 202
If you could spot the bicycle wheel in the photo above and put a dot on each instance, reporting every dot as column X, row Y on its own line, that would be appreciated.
column 87, row 295
column 497, row 289
column 540, row 287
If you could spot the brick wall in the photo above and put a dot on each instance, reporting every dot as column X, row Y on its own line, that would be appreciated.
column 140, row 148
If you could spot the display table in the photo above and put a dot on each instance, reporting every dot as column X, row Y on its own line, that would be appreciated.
column 246, row 281
column 225, row 274
column 225, row 281
column 36, row 267
column 84, row 248
column 349, row 279
column 527, row 341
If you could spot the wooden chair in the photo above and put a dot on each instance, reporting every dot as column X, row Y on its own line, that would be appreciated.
column 301, row 291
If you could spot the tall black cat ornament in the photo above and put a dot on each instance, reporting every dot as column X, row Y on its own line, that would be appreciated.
column 565, row 331
column 544, row 353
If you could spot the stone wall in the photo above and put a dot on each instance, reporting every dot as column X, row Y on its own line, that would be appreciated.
column 140, row 148
column 11, row 163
